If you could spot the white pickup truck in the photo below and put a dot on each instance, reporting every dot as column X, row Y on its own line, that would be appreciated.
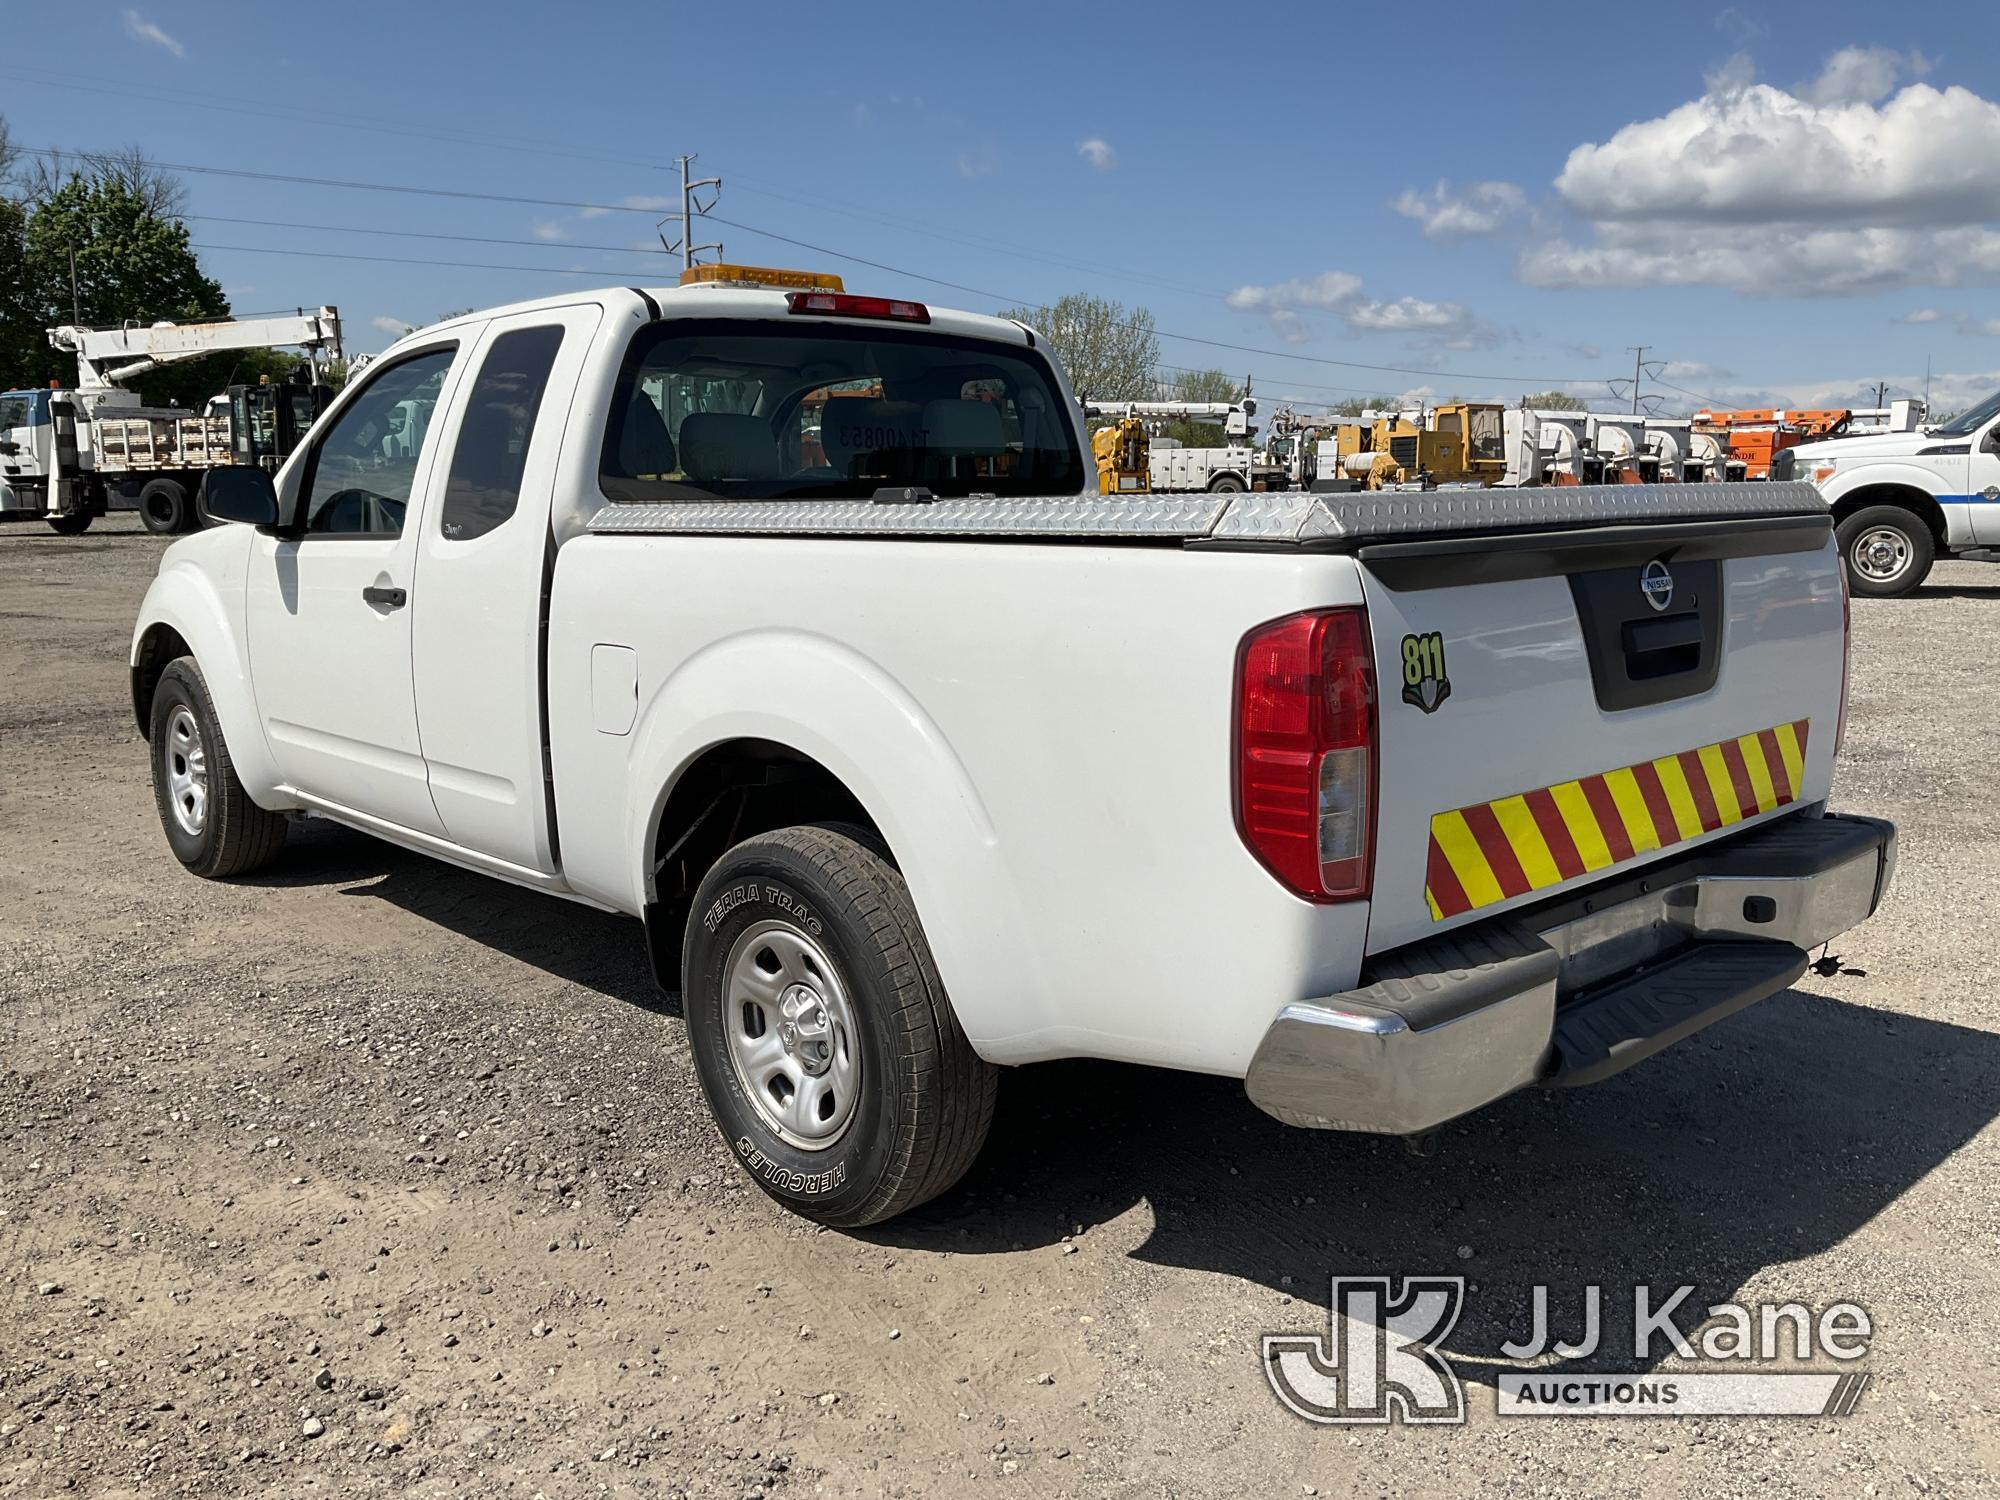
column 1901, row 500
column 781, row 620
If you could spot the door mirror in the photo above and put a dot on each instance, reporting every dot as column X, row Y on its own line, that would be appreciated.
column 238, row 493
column 1992, row 443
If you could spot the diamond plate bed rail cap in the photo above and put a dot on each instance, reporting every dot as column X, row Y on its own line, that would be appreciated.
column 1274, row 517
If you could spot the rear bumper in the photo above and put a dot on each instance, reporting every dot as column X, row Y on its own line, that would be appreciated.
column 1577, row 989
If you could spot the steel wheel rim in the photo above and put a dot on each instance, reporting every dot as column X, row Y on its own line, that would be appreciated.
column 186, row 764
column 791, row 1035
column 1881, row 554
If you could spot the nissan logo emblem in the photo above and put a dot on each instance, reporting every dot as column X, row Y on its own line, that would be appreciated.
column 1657, row 584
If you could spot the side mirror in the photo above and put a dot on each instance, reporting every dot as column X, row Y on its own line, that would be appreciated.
column 1993, row 438
column 240, row 492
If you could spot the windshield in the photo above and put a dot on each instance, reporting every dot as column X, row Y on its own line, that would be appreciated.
column 23, row 409
column 1968, row 422
column 752, row 409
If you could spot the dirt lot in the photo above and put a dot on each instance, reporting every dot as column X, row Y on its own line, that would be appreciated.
column 374, row 1177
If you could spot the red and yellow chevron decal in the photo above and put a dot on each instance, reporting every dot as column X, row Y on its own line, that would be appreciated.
column 1493, row 851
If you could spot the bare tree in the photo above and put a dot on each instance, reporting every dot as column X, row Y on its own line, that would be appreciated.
column 162, row 194
column 10, row 154
column 1555, row 401
column 1110, row 352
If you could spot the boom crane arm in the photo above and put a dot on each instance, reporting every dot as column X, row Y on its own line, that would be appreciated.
column 108, row 357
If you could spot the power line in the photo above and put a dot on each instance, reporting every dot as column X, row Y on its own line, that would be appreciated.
column 653, row 209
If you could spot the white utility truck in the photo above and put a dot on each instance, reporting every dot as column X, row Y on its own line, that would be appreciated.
column 1904, row 497
column 65, row 454
column 918, row 760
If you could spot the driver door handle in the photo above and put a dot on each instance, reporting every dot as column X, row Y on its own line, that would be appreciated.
column 389, row 598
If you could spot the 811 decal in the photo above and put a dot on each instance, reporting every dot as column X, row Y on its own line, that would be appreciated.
column 1425, row 682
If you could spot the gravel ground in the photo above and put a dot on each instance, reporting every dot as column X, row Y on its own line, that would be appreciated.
column 369, row 1176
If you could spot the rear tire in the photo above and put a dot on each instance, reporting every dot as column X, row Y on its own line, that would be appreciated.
column 211, row 824
column 71, row 525
column 1888, row 551
column 164, row 508
column 1228, row 484
column 824, row 1040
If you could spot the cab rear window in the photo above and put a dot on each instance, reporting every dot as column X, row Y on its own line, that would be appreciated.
column 756, row 409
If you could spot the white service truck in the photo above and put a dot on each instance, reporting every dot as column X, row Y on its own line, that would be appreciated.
column 67, row 453
column 917, row 760
column 1901, row 499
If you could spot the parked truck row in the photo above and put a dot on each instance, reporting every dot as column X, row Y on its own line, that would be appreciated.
column 790, row 622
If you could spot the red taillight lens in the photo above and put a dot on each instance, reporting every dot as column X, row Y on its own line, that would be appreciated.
column 1305, row 752
column 1846, row 650
column 845, row 305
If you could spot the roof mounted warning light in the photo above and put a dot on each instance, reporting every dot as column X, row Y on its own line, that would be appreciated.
column 760, row 276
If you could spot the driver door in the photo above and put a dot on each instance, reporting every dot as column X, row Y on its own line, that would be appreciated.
column 329, row 609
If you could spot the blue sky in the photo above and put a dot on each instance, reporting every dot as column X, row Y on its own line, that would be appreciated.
column 1492, row 197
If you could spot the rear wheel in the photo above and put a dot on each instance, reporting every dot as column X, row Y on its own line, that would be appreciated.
column 75, row 525
column 1228, row 484
column 163, row 507
column 1888, row 550
column 211, row 824
column 821, row 1032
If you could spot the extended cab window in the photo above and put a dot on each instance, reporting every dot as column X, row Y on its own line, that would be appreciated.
column 365, row 466
column 492, row 449
column 763, row 409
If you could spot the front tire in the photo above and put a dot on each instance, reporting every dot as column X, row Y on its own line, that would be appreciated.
column 1888, row 551
column 825, row 1043
column 75, row 525
column 211, row 824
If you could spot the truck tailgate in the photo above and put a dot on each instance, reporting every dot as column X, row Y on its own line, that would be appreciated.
column 1553, row 710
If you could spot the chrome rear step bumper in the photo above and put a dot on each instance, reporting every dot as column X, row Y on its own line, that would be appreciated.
column 1574, row 990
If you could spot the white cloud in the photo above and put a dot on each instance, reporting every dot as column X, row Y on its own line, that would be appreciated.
column 1919, row 315
column 140, row 29
column 1758, row 155
column 1339, row 293
column 1858, row 180
column 1982, row 327
column 652, row 201
column 1791, row 261
column 1691, row 369
column 548, row 229
column 980, row 161
column 395, row 327
column 1097, row 151
column 1861, row 75
column 1478, row 208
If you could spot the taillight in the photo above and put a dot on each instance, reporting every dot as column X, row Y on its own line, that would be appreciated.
column 1846, row 650
column 1305, row 752
column 846, row 305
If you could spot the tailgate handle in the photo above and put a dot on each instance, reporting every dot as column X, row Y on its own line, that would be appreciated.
column 1658, row 648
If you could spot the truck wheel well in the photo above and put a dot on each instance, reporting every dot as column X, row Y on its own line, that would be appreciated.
column 1906, row 496
column 732, row 791
column 158, row 646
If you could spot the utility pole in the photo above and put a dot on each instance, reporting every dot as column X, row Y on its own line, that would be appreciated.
column 684, row 246
column 1881, row 393
column 75, row 302
column 1638, row 372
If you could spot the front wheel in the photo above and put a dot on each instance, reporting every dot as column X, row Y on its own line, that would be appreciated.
column 822, row 1034
column 1888, row 551
column 211, row 824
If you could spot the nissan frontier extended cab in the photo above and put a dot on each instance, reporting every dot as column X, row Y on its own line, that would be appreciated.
column 781, row 619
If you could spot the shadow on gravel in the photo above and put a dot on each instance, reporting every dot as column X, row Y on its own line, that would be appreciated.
column 1950, row 591
column 1765, row 1140
column 573, row 943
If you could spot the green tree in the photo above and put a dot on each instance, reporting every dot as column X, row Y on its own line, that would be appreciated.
column 1200, row 385
column 22, row 343
column 1109, row 350
column 1354, row 406
column 129, row 264
column 1555, row 401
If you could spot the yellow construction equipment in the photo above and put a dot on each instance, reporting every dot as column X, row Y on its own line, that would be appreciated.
column 1461, row 442
column 1123, row 466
